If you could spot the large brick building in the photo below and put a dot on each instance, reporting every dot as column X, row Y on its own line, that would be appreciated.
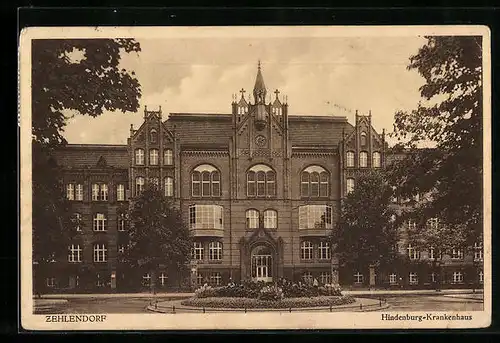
column 260, row 189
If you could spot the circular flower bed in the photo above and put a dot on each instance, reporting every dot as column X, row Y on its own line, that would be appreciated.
column 262, row 295
column 232, row 302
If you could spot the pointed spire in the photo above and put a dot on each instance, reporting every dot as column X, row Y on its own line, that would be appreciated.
column 259, row 90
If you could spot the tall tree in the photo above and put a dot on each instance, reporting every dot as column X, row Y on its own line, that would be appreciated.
column 82, row 76
column 366, row 233
column 449, row 118
column 158, row 235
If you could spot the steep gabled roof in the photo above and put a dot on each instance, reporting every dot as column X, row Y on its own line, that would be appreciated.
column 92, row 156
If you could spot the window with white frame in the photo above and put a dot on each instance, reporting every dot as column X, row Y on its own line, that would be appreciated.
column 325, row 278
column 393, row 278
column 306, row 250
column 307, row 277
column 478, row 251
column 99, row 192
column 163, row 279
column 70, row 191
column 358, row 278
column 146, row 280
column 74, row 253
column 121, row 249
column 324, row 250
column 120, row 192
column 199, row 278
column 458, row 277
column 376, row 160
column 99, row 222
column 122, row 222
column 350, row 159
column 169, row 186
column 139, row 185
column 99, row 281
column 153, row 157
column 50, row 282
column 413, row 252
column 78, row 221
column 349, row 185
column 215, row 251
column 197, row 251
column 205, row 181
column 413, row 278
column 100, row 253
column 139, row 157
column 431, row 253
column 206, row 217
column 481, row 276
column 270, row 219
column 315, row 217
column 411, row 224
column 314, row 182
column 168, row 157
column 457, row 254
column 215, row 279
column 363, row 159
column 252, row 216
column 261, row 181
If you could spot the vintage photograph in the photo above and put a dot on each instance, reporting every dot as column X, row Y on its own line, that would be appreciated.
column 314, row 176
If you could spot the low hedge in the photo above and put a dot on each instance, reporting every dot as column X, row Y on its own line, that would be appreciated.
column 285, row 303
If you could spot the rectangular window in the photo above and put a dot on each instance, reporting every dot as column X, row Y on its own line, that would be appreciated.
column 261, row 184
column 457, row 254
column 169, row 186
column 70, row 191
column 167, row 157
column 120, row 192
column 349, row 186
column 315, row 217
column 306, row 250
column 122, row 222
column 478, row 252
column 99, row 222
column 153, row 157
column 215, row 251
column 251, row 184
column 78, row 221
column 139, row 157
column 197, row 251
column 100, row 253
column 393, row 279
column 358, row 278
column 205, row 184
column 252, row 219
column 458, row 277
column 99, row 192
column 50, row 282
column 79, row 192
column 270, row 219
column 104, row 192
column 413, row 278
column 121, row 249
column 74, row 253
column 363, row 159
column 481, row 276
column 350, row 159
column 206, row 217
column 215, row 279
column 413, row 253
column 325, row 278
column 324, row 250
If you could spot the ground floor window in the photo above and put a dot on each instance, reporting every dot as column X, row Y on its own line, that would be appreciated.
column 433, row 277
column 358, row 278
column 481, row 276
column 413, row 278
column 325, row 278
column 146, row 280
column 308, row 278
column 458, row 277
column 199, row 279
column 163, row 279
column 393, row 279
column 50, row 282
column 215, row 279
column 99, row 280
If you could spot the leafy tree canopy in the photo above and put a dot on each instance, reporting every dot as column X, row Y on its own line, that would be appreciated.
column 449, row 117
column 366, row 233
column 158, row 234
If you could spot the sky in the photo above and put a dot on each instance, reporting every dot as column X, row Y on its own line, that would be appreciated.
column 319, row 76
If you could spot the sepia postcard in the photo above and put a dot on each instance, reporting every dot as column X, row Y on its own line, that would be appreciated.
column 291, row 177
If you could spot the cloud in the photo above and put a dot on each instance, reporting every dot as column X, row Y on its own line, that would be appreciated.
column 200, row 75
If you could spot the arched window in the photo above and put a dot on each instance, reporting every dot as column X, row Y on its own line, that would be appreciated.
column 252, row 219
column 350, row 159
column 349, row 185
column 167, row 157
column 139, row 185
column 153, row 136
column 376, row 159
column 363, row 159
column 363, row 138
column 314, row 182
column 153, row 157
column 169, row 186
column 205, row 181
column 270, row 219
column 139, row 156
column 261, row 181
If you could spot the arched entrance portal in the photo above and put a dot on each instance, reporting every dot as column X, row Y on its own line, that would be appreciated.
column 262, row 263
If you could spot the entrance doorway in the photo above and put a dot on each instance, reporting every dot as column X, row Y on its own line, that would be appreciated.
column 262, row 264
